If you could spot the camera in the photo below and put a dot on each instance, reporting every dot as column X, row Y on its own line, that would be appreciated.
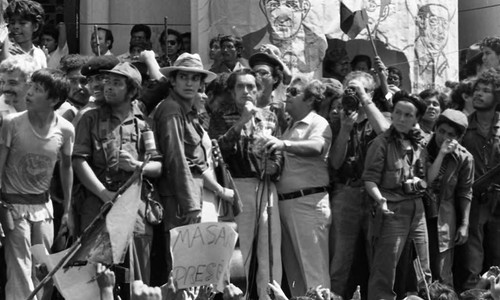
column 350, row 101
column 414, row 186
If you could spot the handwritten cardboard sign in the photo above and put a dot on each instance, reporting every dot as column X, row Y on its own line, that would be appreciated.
column 201, row 253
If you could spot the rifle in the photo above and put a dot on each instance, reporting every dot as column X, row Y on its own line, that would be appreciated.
column 79, row 247
column 228, row 210
column 481, row 184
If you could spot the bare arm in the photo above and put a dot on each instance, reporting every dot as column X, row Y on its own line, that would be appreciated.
column 148, row 57
column 90, row 181
column 373, row 190
column 375, row 117
column 382, row 74
column 127, row 163
column 308, row 148
column 210, row 183
column 66, row 170
column 61, row 42
column 448, row 146
column 4, row 153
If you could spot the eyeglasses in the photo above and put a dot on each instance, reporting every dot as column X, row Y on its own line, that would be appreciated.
column 172, row 43
column 293, row 91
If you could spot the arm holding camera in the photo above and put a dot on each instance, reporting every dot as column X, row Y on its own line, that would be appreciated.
column 339, row 147
column 375, row 117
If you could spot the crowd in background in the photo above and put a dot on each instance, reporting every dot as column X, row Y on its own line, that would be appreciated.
column 344, row 187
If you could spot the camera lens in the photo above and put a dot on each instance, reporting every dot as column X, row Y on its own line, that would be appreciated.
column 421, row 185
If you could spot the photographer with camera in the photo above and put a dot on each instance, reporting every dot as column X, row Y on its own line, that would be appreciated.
column 450, row 175
column 393, row 177
column 358, row 123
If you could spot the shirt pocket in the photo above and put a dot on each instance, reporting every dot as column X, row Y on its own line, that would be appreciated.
column 391, row 178
column 191, row 140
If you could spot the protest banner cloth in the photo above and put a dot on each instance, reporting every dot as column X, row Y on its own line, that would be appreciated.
column 201, row 254
column 101, row 242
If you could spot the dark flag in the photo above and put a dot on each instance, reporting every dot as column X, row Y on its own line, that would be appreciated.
column 353, row 17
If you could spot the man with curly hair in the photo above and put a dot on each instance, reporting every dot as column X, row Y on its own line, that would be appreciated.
column 78, row 95
column 490, row 48
column 482, row 140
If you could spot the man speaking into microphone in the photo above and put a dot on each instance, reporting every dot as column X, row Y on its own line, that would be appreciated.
column 251, row 167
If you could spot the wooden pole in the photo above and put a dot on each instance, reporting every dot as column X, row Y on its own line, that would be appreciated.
column 102, row 213
column 165, row 25
column 371, row 40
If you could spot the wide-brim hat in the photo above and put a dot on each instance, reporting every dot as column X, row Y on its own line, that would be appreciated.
column 271, row 60
column 189, row 63
column 126, row 69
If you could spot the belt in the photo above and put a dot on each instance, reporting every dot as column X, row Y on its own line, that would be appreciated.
column 302, row 193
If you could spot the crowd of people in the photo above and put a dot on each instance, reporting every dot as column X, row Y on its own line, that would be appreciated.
column 342, row 187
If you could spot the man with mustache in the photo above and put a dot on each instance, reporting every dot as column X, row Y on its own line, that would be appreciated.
column 14, row 74
column 78, row 95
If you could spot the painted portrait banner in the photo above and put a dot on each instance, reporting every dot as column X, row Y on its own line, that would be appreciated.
column 420, row 37
column 201, row 253
column 424, row 31
column 297, row 27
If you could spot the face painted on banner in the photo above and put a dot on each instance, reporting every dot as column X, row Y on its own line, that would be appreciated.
column 285, row 16
column 433, row 21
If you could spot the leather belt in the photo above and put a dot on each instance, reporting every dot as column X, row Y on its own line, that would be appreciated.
column 302, row 193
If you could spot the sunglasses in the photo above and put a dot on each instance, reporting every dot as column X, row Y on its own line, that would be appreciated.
column 293, row 91
column 172, row 43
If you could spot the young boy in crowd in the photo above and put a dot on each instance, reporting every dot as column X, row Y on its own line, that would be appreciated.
column 25, row 22
column 30, row 142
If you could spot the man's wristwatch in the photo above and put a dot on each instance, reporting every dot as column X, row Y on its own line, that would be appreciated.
column 287, row 144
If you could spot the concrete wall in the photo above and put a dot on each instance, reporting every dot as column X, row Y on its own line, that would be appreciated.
column 477, row 19
column 121, row 15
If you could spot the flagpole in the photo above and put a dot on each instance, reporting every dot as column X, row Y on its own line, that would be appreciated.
column 371, row 40
column 104, row 209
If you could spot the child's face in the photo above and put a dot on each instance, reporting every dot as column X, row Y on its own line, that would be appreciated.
column 37, row 98
column 49, row 42
column 22, row 30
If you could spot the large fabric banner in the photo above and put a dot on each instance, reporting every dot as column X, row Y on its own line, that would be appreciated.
column 420, row 37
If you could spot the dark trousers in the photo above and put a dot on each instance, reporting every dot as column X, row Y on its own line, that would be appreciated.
column 482, row 248
column 407, row 223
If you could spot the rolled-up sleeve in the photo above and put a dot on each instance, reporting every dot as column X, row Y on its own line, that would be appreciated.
column 465, row 179
column 83, row 138
column 374, row 161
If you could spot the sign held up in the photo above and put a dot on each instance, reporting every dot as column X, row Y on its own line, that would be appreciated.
column 201, row 253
